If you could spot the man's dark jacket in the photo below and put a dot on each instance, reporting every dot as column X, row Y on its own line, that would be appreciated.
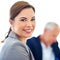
column 36, row 48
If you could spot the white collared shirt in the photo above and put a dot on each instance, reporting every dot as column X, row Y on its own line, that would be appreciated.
column 47, row 53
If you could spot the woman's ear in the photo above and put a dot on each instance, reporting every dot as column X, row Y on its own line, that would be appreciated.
column 11, row 22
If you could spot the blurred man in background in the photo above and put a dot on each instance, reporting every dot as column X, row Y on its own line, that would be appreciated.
column 45, row 46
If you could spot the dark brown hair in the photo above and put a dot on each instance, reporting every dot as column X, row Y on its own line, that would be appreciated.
column 17, row 8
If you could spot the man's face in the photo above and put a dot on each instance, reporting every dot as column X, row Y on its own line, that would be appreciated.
column 51, row 35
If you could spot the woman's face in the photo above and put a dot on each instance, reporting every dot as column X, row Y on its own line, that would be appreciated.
column 24, row 23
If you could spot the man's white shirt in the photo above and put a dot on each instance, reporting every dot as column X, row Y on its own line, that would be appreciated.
column 47, row 52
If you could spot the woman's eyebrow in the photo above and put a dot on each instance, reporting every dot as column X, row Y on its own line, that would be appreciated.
column 23, row 18
column 33, row 17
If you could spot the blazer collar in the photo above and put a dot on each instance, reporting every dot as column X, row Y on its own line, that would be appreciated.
column 13, row 35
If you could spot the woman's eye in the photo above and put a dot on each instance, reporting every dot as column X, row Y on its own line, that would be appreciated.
column 23, row 19
column 33, row 19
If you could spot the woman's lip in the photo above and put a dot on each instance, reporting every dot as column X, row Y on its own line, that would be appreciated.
column 28, row 31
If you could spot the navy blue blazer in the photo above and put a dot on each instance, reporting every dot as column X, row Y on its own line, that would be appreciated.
column 36, row 48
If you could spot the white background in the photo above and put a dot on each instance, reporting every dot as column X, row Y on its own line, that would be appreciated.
column 46, row 11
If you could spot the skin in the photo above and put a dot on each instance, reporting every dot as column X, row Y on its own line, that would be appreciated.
column 24, row 24
column 49, row 36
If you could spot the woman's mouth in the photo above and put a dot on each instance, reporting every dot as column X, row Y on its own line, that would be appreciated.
column 28, row 30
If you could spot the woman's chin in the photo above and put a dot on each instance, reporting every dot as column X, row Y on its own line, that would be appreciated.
column 27, row 36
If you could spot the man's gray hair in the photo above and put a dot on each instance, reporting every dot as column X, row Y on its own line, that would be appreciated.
column 51, row 25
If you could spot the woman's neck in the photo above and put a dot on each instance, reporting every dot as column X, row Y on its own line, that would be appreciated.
column 23, row 40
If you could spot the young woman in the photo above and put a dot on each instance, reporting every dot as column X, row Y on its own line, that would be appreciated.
column 22, row 21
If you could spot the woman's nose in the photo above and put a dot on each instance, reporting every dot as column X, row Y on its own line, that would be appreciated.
column 29, row 23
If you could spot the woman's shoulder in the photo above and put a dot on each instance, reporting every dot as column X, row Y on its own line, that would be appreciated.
column 11, row 42
column 14, row 45
column 14, row 48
